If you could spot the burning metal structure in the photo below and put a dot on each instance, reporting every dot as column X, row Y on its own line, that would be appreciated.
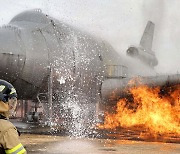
column 40, row 55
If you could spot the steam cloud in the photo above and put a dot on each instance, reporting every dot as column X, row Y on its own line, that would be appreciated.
column 119, row 22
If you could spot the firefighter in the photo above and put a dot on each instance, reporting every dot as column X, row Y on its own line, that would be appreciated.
column 9, row 136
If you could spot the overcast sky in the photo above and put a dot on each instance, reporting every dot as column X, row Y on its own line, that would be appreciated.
column 120, row 22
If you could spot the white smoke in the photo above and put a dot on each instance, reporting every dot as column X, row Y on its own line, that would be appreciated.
column 165, row 44
column 120, row 22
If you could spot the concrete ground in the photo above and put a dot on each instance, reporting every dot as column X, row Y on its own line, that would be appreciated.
column 46, row 144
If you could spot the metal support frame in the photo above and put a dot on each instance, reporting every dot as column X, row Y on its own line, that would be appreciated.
column 50, row 85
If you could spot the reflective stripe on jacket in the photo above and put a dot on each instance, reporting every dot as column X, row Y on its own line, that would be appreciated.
column 19, row 149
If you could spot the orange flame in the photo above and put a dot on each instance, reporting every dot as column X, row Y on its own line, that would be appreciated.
column 156, row 113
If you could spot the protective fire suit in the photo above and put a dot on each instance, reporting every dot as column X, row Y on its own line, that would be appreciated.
column 9, row 137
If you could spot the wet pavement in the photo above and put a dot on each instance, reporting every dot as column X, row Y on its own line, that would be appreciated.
column 121, row 134
column 46, row 144
column 101, row 142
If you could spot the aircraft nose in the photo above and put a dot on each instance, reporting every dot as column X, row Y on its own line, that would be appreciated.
column 12, row 56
